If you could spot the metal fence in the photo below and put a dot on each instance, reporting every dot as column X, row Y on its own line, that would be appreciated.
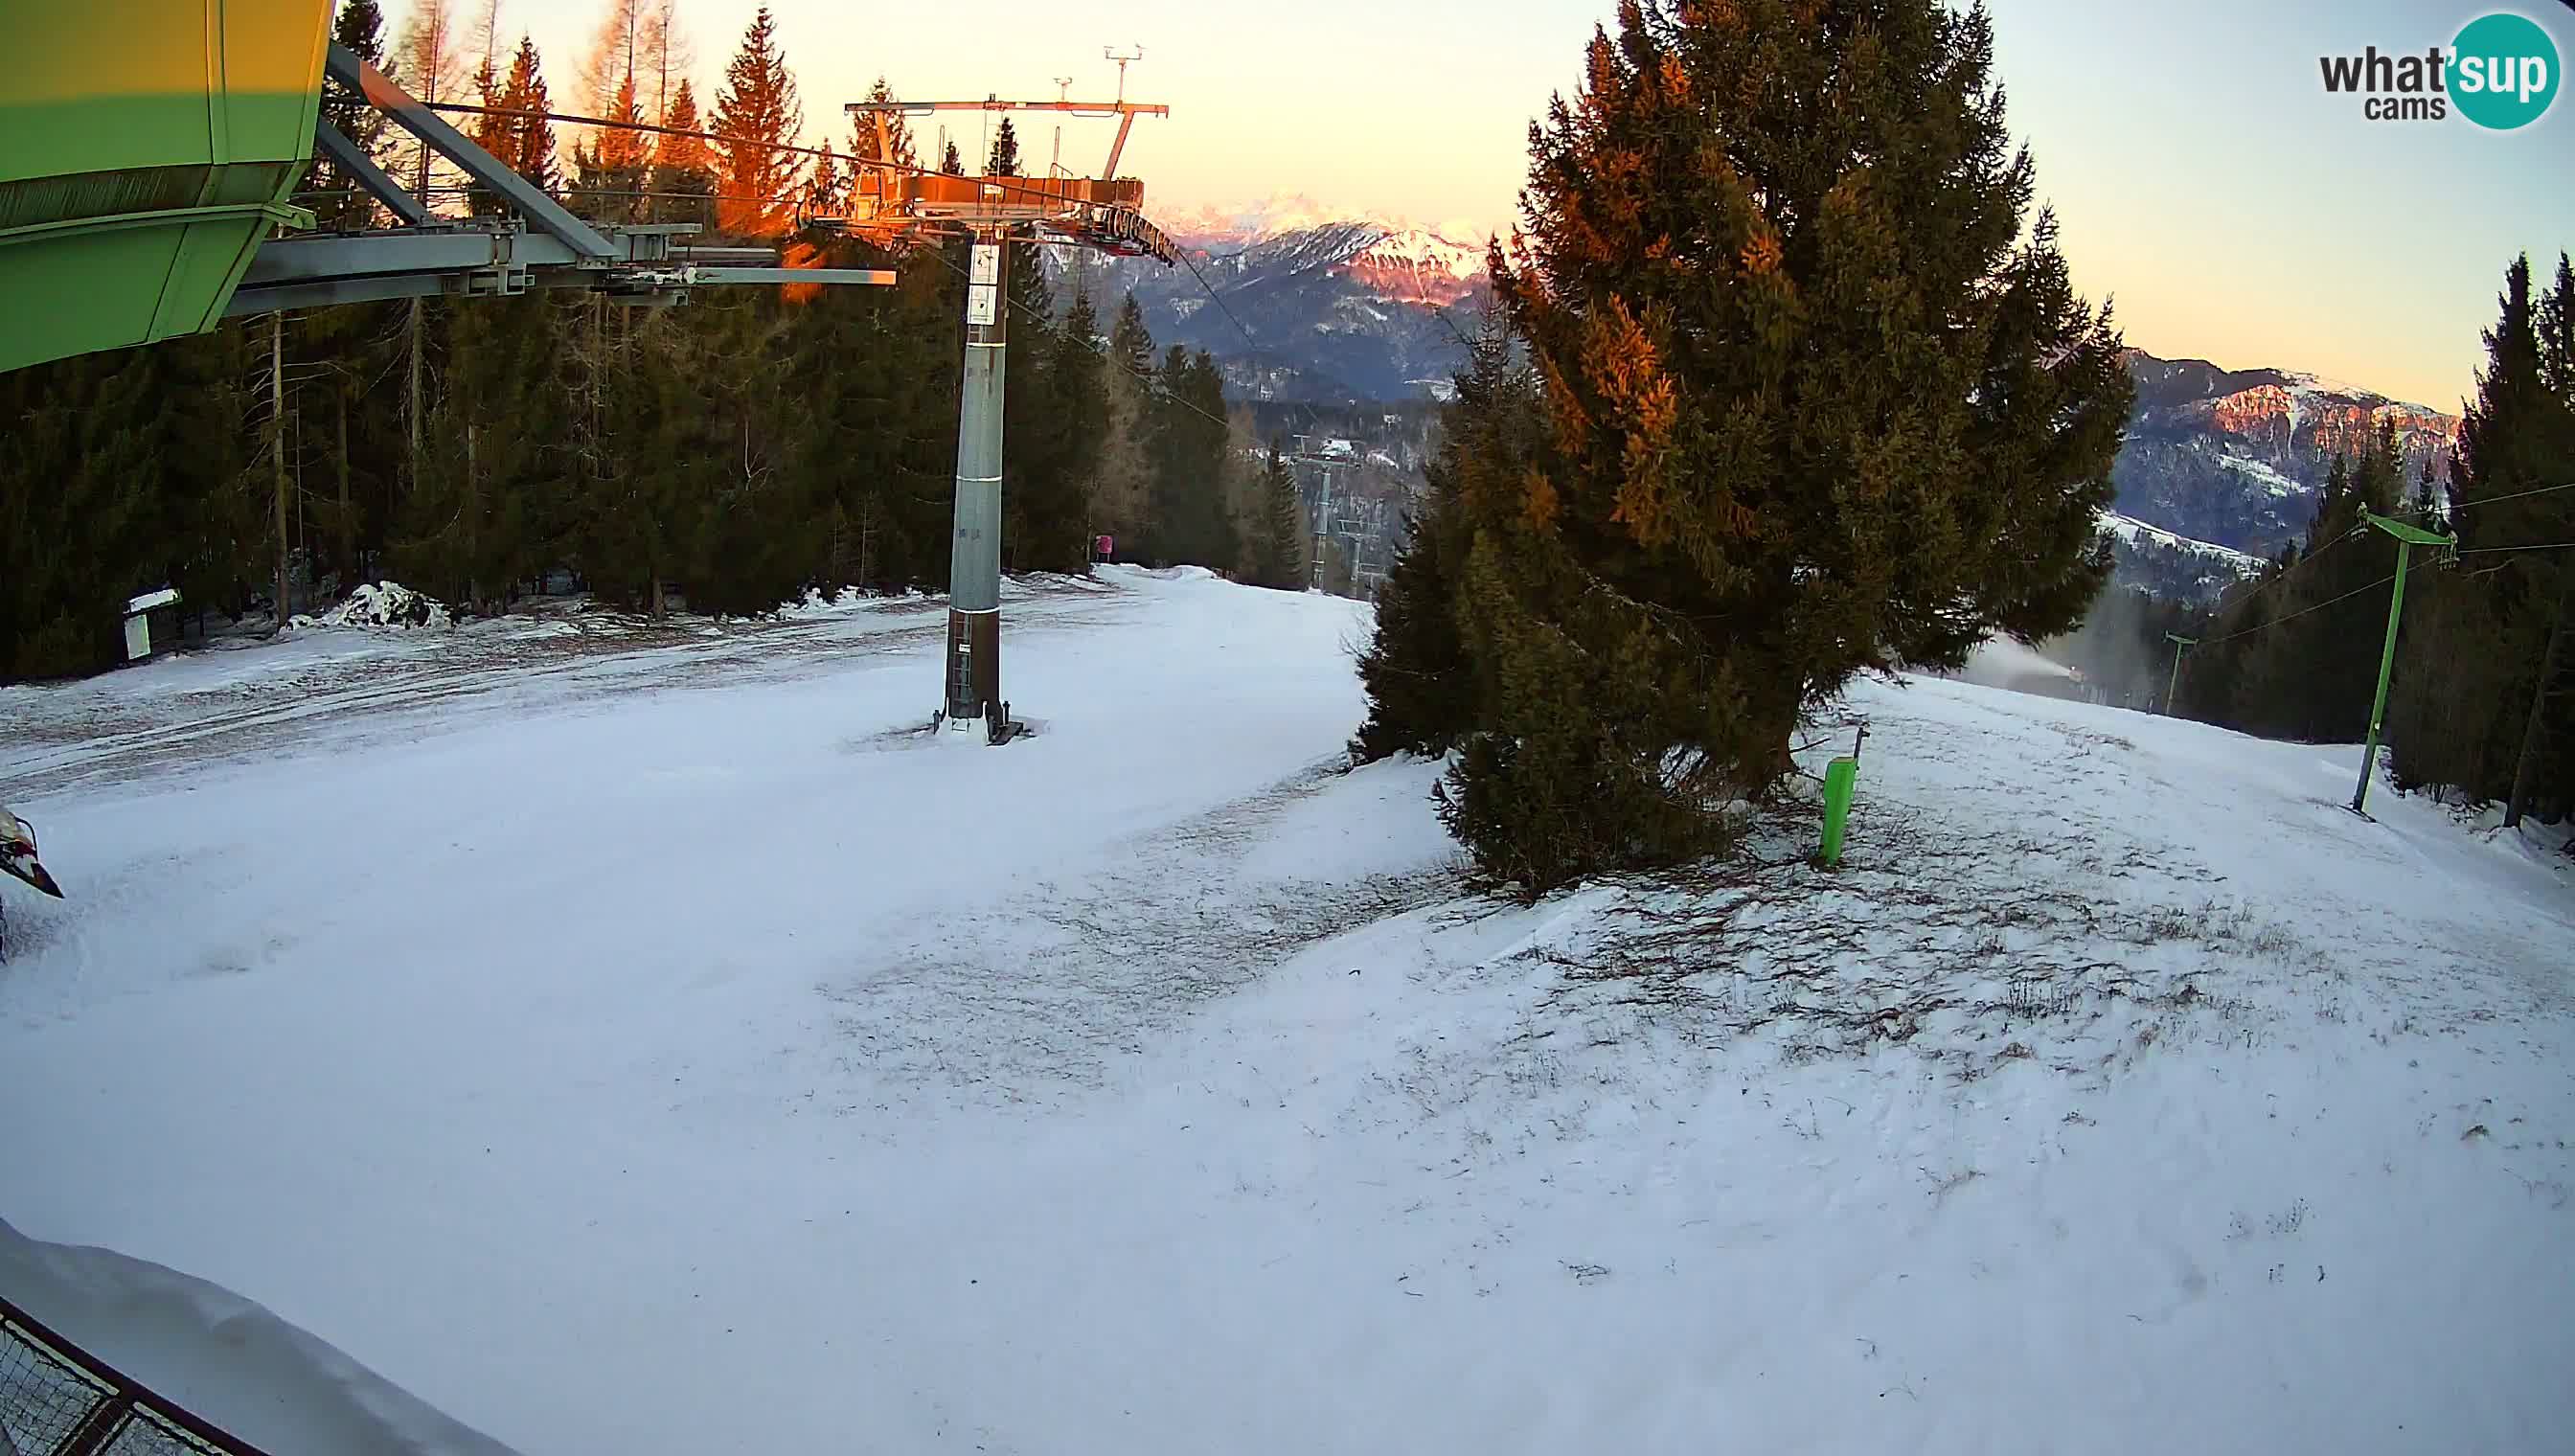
column 57, row 1400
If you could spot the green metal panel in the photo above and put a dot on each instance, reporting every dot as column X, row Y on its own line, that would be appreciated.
column 147, row 148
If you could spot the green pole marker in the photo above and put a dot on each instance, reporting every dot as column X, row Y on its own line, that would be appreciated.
column 1840, row 776
column 2408, row 538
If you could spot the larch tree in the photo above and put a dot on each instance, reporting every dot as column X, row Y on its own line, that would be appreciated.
column 426, row 63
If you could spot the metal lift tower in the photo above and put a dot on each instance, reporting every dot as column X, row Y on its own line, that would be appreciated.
column 901, row 206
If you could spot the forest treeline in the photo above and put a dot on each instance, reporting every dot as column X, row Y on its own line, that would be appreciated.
column 2481, row 695
column 736, row 451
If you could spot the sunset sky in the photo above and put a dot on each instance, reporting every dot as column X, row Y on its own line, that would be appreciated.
column 2202, row 175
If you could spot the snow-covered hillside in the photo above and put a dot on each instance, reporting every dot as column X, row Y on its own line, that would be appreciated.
column 2174, row 566
column 610, row 1032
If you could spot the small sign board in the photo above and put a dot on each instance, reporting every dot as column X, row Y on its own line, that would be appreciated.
column 987, row 264
column 983, row 305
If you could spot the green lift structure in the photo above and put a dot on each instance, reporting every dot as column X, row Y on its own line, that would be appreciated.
column 150, row 151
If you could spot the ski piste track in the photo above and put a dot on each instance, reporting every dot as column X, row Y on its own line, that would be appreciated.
column 561, row 650
column 1151, row 1086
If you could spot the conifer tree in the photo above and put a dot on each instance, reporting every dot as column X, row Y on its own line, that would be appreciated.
column 864, row 145
column 953, row 164
column 612, row 170
column 1278, row 554
column 1005, row 160
column 425, row 62
column 757, row 113
column 342, row 205
column 684, row 167
column 1821, row 400
column 1423, row 694
column 528, row 144
column 2483, row 703
column 826, row 192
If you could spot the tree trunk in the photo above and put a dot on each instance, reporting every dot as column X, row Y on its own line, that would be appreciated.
column 473, row 510
column 348, row 517
column 2538, row 706
column 413, row 463
column 277, row 446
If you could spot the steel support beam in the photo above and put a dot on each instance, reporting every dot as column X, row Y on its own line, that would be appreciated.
column 701, row 273
column 347, row 156
column 320, row 256
column 522, row 197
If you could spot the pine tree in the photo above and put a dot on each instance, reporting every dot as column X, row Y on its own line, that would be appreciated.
column 1821, row 401
column 757, row 113
column 953, row 164
column 1004, row 161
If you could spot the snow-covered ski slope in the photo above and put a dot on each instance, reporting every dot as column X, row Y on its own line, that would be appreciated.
column 608, row 1034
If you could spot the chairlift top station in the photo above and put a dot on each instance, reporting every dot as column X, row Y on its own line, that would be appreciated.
column 150, row 152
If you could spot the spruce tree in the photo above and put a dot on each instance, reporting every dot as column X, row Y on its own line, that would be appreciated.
column 756, row 113
column 612, row 171
column 1821, row 401
column 1279, row 554
column 1004, row 159
column 953, row 164
column 863, row 143
column 1424, row 696
column 684, row 167
column 2492, row 676
column 342, row 205
column 528, row 144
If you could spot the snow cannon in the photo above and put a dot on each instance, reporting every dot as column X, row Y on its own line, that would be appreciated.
column 18, row 853
column 18, row 856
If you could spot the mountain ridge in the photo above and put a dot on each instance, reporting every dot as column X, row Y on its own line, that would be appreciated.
column 1317, row 305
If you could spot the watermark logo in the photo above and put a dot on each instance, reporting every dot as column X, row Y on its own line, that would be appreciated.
column 2500, row 72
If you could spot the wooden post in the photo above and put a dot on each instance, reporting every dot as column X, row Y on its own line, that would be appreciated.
column 277, row 446
column 414, row 412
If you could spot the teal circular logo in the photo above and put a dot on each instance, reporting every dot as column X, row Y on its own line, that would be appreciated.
column 2503, row 71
